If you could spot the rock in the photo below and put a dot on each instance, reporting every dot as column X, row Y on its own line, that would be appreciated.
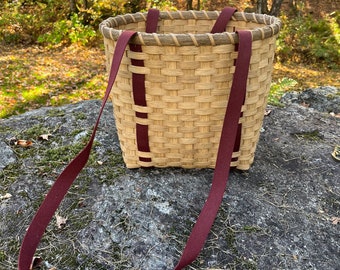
column 6, row 154
column 280, row 214
column 323, row 99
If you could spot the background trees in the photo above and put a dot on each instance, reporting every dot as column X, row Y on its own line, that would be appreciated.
column 39, row 68
column 306, row 35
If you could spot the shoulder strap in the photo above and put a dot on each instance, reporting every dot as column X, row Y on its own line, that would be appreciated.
column 67, row 177
column 223, row 19
column 208, row 214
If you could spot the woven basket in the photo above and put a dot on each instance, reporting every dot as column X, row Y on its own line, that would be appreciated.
column 188, row 75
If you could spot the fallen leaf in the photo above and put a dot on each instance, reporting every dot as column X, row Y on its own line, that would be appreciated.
column 36, row 263
column 267, row 112
column 100, row 162
column 304, row 104
column 335, row 220
column 6, row 196
column 45, row 136
column 23, row 143
column 335, row 115
column 61, row 222
column 81, row 202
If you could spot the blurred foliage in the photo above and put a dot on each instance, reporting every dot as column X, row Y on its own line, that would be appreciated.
column 34, row 76
column 68, row 31
column 277, row 89
column 23, row 21
column 305, row 39
column 160, row 4
column 51, row 22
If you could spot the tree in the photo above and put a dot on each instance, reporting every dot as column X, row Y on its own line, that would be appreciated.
column 73, row 6
column 262, row 7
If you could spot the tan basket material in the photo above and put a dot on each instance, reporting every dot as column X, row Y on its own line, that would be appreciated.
column 188, row 75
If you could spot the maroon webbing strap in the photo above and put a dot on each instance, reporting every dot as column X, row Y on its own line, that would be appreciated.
column 66, row 178
column 220, row 26
column 222, row 20
column 138, row 88
column 208, row 214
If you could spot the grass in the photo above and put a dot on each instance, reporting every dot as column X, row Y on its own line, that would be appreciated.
column 34, row 77
column 43, row 161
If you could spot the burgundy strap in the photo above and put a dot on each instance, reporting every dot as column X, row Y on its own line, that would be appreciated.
column 219, row 27
column 66, row 178
column 152, row 20
column 208, row 214
column 222, row 20
column 138, row 88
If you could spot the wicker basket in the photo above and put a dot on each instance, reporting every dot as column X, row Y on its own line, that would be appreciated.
column 188, row 75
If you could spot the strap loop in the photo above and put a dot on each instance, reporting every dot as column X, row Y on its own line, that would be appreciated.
column 222, row 20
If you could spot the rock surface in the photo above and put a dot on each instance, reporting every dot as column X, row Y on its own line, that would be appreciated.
column 284, row 213
column 323, row 99
column 7, row 155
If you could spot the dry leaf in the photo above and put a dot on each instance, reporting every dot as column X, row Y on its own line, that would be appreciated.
column 6, row 196
column 23, row 143
column 335, row 220
column 61, row 222
column 45, row 136
column 36, row 263
column 335, row 115
column 304, row 104
column 267, row 112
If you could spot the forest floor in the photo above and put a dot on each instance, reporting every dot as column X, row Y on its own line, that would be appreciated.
column 34, row 77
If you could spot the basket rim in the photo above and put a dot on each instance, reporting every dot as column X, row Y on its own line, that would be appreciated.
column 270, row 27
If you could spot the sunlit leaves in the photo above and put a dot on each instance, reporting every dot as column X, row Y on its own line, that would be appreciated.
column 277, row 89
column 34, row 77
column 305, row 39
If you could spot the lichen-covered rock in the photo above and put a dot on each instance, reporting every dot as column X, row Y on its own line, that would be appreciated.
column 322, row 99
column 283, row 213
column 7, row 155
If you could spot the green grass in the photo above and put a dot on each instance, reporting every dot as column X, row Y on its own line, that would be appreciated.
column 277, row 89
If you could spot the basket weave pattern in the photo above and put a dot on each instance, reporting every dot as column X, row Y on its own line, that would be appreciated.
column 188, row 76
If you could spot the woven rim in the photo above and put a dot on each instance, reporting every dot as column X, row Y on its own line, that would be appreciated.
column 269, row 26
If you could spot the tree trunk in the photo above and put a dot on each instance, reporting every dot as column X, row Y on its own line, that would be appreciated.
column 73, row 6
column 262, row 7
column 276, row 6
column 86, row 15
column 189, row 4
